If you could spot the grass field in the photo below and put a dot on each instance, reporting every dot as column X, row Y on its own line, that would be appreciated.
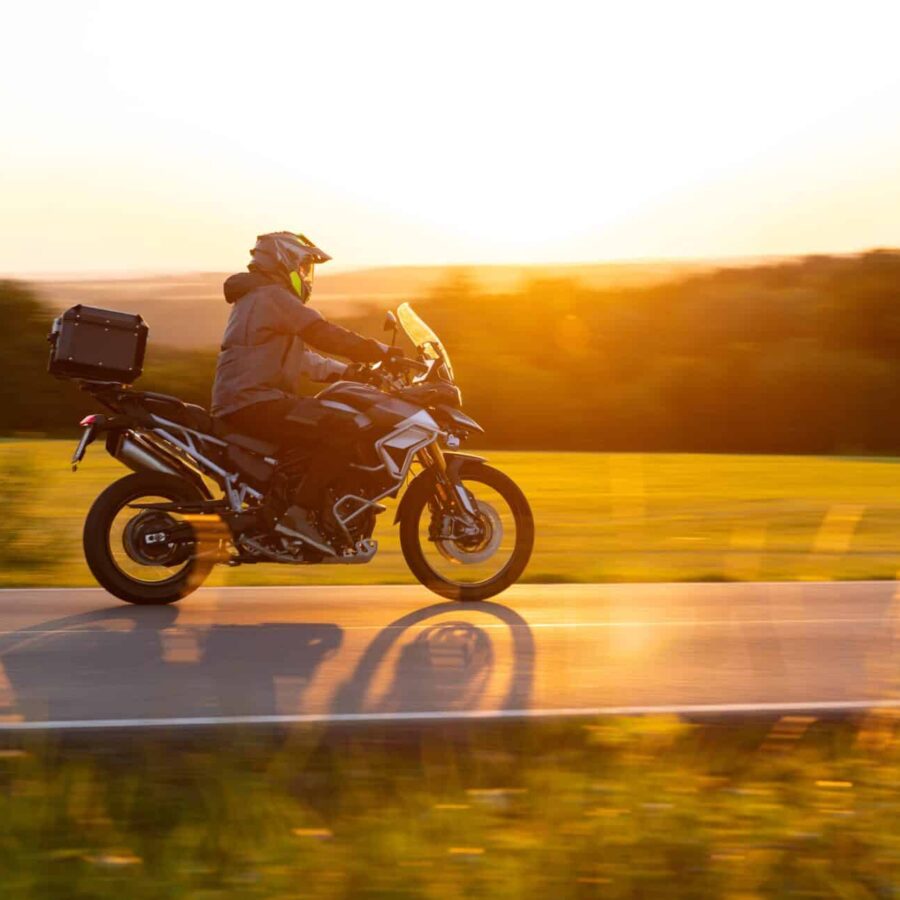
column 648, row 808
column 600, row 517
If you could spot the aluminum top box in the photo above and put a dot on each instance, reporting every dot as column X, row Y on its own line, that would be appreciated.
column 90, row 344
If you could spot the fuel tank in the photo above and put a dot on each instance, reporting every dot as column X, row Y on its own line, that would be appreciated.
column 401, row 428
column 382, row 410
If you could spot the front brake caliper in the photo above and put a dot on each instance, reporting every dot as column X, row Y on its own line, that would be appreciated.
column 441, row 528
column 450, row 527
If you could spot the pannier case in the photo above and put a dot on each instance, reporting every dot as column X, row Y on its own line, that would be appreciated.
column 97, row 345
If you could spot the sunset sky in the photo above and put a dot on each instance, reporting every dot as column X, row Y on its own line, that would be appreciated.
column 164, row 136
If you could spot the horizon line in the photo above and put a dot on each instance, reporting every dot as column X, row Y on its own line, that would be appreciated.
column 144, row 273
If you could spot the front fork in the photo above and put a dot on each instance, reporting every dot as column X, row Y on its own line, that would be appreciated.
column 451, row 492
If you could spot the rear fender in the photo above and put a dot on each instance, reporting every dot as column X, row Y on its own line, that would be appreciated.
column 424, row 481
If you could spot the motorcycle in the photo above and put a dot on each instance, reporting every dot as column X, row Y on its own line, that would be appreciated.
column 200, row 494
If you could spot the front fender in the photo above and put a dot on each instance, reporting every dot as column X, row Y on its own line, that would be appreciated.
column 424, row 481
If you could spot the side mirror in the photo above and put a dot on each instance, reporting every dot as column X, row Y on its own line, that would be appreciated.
column 391, row 324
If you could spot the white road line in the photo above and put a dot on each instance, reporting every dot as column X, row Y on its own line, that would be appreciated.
column 25, row 631
column 523, row 586
column 825, row 706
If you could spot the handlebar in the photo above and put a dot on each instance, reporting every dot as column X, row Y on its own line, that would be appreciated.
column 400, row 363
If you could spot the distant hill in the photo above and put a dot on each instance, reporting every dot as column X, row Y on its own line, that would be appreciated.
column 188, row 311
column 792, row 356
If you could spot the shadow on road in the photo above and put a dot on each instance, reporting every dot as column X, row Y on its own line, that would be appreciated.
column 446, row 667
column 137, row 663
column 133, row 662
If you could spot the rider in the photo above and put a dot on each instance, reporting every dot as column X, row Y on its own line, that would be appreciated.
column 264, row 355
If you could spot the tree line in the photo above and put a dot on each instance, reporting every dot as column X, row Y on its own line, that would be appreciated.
column 793, row 357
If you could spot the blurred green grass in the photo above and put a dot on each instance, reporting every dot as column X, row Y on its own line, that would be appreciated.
column 600, row 517
column 652, row 807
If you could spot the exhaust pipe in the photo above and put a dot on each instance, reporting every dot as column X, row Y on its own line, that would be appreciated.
column 140, row 455
column 143, row 455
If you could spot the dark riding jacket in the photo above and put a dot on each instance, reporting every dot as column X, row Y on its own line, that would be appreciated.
column 264, row 353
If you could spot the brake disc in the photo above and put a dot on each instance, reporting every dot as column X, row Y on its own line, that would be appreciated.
column 484, row 546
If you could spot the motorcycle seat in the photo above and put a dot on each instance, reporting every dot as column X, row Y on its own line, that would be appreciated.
column 196, row 417
column 221, row 430
column 188, row 414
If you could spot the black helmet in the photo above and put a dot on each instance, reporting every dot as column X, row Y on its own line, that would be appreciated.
column 288, row 257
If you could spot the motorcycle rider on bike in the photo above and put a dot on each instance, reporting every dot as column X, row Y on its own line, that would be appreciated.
column 264, row 355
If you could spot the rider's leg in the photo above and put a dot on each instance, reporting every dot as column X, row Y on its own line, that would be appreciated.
column 328, row 446
column 316, row 444
column 261, row 420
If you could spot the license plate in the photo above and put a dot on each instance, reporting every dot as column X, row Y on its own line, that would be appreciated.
column 86, row 437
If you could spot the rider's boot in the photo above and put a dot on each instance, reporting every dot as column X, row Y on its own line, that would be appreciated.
column 297, row 522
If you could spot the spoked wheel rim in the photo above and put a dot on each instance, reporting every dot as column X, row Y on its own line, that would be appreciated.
column 138, row 543
column 475, row 553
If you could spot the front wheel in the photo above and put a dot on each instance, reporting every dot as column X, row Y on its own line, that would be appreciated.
column 468, row 558
column 129, row 550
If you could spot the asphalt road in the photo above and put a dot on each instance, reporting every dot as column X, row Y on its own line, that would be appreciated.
column 80, row 659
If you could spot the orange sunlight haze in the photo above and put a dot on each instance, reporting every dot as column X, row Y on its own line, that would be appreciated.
column 165, row 136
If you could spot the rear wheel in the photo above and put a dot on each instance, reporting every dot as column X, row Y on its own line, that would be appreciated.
column 475, row 560
column 131, row 552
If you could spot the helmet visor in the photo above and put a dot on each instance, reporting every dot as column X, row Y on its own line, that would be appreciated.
column 307, row 271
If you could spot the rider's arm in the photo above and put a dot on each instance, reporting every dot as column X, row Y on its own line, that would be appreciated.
column 331, row 338
column 312, row 329
column 309, row 325
column 314, row 367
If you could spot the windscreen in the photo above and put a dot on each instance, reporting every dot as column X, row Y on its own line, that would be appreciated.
column 422, row 336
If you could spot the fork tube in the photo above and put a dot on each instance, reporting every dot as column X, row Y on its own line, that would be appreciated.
column 452, row 494
column 432, row 457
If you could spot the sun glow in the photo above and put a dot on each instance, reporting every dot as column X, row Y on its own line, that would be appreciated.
column 167, row 136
